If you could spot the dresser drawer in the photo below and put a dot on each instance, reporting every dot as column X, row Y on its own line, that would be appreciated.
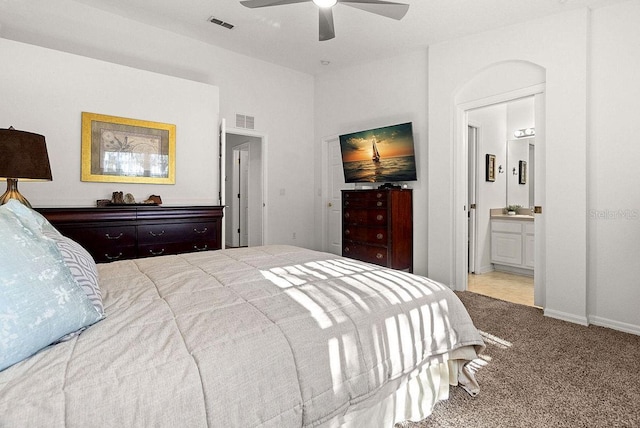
column 177, row 232
column 163, row 249
column 372, row 217
column 105, row 243
column 100, row 236
column 113, row 253
column 374, row 235
column 366, row 253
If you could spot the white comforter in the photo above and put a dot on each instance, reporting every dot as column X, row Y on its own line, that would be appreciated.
column 272, row 336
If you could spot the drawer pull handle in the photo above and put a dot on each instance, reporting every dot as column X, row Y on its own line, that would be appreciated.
column 378, row 195
column 152, row 233
column 346, row 215
column 206, row 247
column 347, row 232
column 379, row 203
column 156, row 253
column 379, row 217
column 379, row 256
column 113, row 237
column 346, row 249
column 200, row 231
column 379, row 236
column 346, row 203
column 113, row 257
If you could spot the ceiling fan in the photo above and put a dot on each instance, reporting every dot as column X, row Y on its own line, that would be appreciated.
column 379, row 7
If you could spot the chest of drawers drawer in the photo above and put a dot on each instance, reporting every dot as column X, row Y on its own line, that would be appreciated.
column 372, row 235
column 365, row 216
column 366, row 253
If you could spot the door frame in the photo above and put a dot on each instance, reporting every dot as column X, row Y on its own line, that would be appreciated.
column 264, row 183
column 325, row 191
column 461, row 185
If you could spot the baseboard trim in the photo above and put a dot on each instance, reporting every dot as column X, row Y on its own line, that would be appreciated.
column 513, row 269
column 615, row 325
column 566, row 317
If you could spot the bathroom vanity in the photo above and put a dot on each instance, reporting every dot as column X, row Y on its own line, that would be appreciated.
column 512, row 242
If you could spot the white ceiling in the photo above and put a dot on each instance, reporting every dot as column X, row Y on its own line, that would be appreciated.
column 288, row 35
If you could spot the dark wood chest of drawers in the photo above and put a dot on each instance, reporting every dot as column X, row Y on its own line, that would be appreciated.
column 118, row 233
column 377, row 227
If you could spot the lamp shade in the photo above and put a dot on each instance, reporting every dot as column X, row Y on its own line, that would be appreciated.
column 23, row 155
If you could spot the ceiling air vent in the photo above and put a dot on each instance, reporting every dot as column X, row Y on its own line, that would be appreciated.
column 221, row 23
column 243, row 121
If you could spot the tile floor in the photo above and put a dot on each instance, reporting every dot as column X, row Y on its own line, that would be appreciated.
column 504, row 286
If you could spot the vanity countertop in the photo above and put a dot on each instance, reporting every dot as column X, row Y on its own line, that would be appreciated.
column 521, row 217
column 500, row 214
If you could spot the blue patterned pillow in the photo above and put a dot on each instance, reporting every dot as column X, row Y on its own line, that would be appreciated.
column 39, row 299
column 78, row 260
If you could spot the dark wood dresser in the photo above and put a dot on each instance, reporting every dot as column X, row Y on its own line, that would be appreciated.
column 128, row 232
column 377, row 227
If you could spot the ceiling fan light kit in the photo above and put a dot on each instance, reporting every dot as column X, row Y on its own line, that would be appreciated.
column 387, row 9
column 325, row 3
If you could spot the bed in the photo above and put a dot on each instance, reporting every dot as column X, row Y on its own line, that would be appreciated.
column 273, row 336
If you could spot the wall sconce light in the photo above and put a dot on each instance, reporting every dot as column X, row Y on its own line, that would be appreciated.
column 500, row 170
column 525, row 132
column 23, row 155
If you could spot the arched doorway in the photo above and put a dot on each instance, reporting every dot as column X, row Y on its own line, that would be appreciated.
column 498, row 83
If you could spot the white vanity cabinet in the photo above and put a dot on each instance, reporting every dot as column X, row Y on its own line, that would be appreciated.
column 512, row 245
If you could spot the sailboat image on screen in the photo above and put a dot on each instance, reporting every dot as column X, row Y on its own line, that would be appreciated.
column 377, row 155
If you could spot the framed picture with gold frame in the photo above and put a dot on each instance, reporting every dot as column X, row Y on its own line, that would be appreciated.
column 121, row 150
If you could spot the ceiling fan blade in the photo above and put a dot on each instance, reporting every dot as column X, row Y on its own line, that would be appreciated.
column 264, row 3
column 327, row 32
column 379, row 7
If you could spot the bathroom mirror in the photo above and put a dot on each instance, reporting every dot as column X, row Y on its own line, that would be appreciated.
column 519, row 172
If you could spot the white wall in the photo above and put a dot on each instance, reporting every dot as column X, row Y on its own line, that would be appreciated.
column 614, row 156
column 280, row 99
column 46, row 92
column 386, row 92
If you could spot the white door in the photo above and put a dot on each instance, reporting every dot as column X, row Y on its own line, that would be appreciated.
column 239, row 209
column 334, row 179
column 244, row 195
column 539, row 284
column 472, row 143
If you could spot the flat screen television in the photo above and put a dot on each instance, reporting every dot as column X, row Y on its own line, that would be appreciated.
column 380, row 155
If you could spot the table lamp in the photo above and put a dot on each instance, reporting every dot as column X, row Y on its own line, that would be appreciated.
column 23, row 156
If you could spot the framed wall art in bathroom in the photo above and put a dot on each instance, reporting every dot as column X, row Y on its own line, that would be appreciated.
column 490, row 174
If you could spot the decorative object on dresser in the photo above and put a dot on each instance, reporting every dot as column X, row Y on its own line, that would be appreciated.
column 123, row 150
column 128, row 232
column 23, row 155
column 377, row 227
